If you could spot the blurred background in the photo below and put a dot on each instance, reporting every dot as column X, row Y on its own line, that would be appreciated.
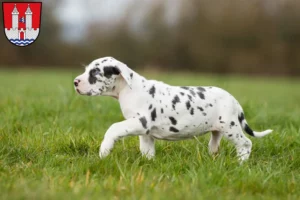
column 257, row 37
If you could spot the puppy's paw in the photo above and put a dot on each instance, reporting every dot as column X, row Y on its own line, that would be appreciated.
column 105, row 148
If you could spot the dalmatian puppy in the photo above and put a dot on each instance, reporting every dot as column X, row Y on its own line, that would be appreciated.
column 155, row 110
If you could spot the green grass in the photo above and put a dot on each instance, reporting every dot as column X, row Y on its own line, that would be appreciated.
column 50, row 136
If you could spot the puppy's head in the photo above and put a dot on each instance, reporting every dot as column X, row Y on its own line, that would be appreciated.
column 102, row 76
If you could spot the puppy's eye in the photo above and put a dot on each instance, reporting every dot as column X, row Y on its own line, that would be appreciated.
column 95, row 72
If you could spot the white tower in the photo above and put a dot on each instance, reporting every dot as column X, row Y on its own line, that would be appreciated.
column 15, row 18
column 28, row 19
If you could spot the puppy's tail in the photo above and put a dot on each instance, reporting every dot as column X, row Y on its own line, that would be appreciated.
column 248, row 130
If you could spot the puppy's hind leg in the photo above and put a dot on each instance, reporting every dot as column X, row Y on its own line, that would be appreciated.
column 214, row 142
column 242, row 144
column 147, row 146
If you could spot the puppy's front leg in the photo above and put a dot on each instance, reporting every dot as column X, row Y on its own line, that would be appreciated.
column 118, row 130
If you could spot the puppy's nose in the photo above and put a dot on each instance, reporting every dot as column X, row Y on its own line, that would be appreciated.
column 76, row 81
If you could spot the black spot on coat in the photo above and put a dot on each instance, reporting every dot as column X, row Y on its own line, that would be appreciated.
column 192, row 111
column 188, row 105
column 201, row 95
column 185, row 87
column 173, row 120
column 162, row 110
column 173, row 129
column 241, row 117
column 200, row 108
column 92, row 80
column 152, row 91
column 92, row 76
column 175, row 100
column 192, row 92
column 150, row 106
column 190, row 97
column 143, row 121
column 153, row 114
column 201, row 89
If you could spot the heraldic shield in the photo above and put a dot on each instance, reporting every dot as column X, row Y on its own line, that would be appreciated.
column 22, row 21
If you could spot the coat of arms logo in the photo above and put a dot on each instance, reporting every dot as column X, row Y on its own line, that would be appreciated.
column 22, row 21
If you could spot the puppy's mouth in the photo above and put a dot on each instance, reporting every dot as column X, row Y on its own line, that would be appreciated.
column 89, row 93
column 78, row 91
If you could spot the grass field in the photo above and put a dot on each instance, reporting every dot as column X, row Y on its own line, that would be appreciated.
column 49, row 140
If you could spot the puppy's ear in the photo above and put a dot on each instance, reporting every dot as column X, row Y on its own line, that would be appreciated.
column 126, row 73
